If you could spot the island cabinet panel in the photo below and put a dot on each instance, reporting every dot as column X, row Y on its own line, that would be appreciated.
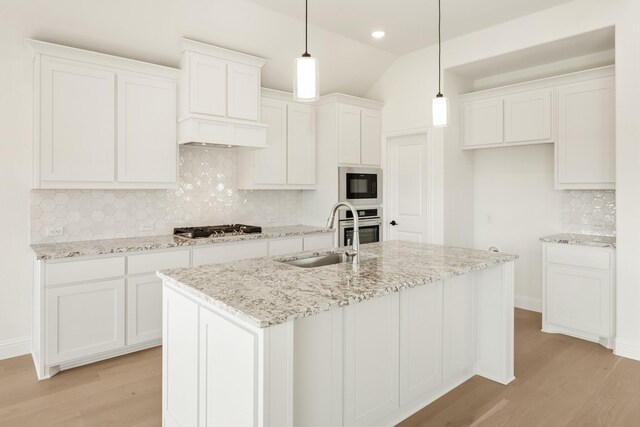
column 420, row 341
column 84, row 319
column 459, row 325
column 179, row 360
column 371, row 350
column 317, row 398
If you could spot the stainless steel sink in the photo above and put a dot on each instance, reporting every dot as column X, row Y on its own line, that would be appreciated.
column 319, row 260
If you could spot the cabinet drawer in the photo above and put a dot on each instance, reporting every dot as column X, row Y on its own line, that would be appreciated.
column 148, row 263
column 81, row 271
column 230, row 252
column 285, row 246
column 578, row 256
column 321, row 241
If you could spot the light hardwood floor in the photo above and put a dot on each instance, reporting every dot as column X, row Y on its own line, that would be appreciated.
column 561, row 381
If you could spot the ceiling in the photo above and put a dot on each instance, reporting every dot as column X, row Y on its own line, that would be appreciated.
column 409, row 24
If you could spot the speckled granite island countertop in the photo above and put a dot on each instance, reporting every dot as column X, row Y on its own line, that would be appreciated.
column 266, row 292
column 132, row 244
column 581, row 239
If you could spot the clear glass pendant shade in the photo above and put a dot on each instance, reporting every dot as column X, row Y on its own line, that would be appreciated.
column 440, row 111
column 305, row 79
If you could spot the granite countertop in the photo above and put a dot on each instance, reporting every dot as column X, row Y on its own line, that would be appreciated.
column 581, row 239
column 132, row 244
column 265, row 292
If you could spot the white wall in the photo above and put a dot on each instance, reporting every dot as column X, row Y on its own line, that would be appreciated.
column 411, row 81
column 514, row 186
column 147, row 31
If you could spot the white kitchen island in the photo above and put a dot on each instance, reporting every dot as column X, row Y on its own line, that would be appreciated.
column 264, row 343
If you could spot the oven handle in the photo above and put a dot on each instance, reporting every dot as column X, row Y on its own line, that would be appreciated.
column 361, row 223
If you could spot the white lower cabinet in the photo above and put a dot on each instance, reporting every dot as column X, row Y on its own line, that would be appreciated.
column 321, row 241
column 285, row 246
column 144, row 309
column 371, row 360
column 217, row 254
column 84, row 319
column 459, row 295
column 578, row 289
column 420, row 341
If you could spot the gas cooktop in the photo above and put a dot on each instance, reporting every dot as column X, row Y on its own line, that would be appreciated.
column 216, row 231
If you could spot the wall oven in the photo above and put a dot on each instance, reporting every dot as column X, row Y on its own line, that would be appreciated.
column 360, row 186
column 370, row 225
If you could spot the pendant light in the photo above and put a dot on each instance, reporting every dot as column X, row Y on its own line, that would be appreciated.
column 305, row 73
column 439, row 104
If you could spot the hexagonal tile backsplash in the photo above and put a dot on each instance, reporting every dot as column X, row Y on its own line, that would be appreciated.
column 589, row 212
column 206, row 195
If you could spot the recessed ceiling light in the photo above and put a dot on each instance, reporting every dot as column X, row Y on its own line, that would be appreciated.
column 378, row 34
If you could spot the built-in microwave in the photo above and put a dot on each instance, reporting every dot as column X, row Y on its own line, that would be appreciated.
column 360, row 186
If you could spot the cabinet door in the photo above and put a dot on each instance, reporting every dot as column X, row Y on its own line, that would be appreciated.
column 147, row 141
column 527, row 116
column 420, row 340
column 301, row 144
column 270, row 164
column 348, row 134
column 585, row 151
column 483, row 122
column 578, row 298
column 208, row 85
column 77, row 122
column 84, row 319
column 144, row 309
column 371, row 360
column 370, row 137
column 243, row 91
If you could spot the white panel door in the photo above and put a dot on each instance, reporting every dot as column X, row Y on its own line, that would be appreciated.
column 527, row 116
column 578, row 298
column 483, row 122
column 407, row 163
column 420, row 340
column 585, row 150
column 458, row 325
column 371, row 360
column 270, row 164
column 301, row 144
column 147, row 139
column 228, row 373
column 243, row 91
column 84, row 319
column 371, row 125
column 208, row 85
column 77, row 122
column 144, row 309
column 348, row 134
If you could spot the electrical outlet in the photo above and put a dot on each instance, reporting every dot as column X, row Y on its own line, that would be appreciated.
column 146, row 226
column 488, row 219
column 53, row 231
column 272, row 219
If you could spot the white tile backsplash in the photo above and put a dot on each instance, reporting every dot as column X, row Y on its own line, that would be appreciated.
column 589, row 212
column 206, row 195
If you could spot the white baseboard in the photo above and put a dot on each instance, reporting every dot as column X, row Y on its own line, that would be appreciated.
column 528, row 303
column 15, row 347
column 627, row 348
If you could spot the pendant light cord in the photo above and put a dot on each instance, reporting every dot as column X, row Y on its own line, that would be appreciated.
column 439, row 50
column 306, row 25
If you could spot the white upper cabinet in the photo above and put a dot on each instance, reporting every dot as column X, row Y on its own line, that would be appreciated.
column 220, row 97
column 146, row 129
column 483, row 122
column 349, row 134
column 585, row 151
column 289, row 162
column 77, row 122
column 527, row 117
column 301, row 144
column 88, row 107
column 370, row 144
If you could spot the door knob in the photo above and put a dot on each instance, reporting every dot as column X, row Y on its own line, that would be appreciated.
column 394, row 223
